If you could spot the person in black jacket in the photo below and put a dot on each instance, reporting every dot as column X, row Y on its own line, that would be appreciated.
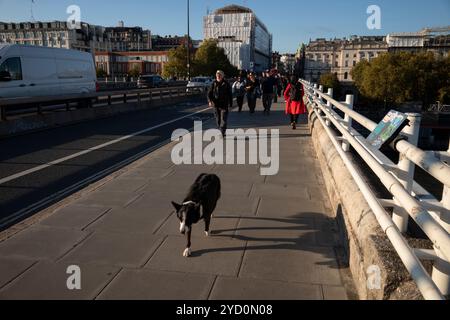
column 220, row 96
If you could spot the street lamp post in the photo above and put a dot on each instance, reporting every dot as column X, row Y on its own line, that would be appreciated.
column 188, row 42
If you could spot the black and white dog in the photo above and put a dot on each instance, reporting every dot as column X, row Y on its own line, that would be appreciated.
column 199, row 204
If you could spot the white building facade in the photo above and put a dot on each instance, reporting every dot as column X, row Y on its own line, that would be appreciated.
column 245, row 39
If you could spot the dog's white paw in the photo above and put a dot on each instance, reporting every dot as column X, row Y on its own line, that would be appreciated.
column 207, row 234
column 187, row 253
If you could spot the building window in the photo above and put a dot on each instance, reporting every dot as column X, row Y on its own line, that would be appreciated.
column 346, row 76
column 354, row 63
column 14, row 67
column 337, row 64
column 346, row 64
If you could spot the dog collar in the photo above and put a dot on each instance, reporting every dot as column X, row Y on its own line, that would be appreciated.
column 194, row 203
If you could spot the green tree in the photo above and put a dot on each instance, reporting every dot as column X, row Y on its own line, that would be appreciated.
column 210, row 57
column 396, row 78
column 135, row 72
column 177, row 64
column 330, row 81
column 101, row 73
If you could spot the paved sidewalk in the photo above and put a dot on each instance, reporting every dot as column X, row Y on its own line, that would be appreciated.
column 272, row 237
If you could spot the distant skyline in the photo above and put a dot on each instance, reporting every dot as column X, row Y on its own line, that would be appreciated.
column 291, row 22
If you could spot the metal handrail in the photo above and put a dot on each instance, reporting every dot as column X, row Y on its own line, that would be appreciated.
column 434, row 166
column 61, row 99
column 404, row 201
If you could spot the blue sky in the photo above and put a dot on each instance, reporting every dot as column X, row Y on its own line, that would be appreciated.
column 290, row 21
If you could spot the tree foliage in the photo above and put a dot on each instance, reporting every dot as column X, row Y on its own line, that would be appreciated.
column 396, row 78
column 206, row 61
column 330, row 81
column 177, row 65
column 210, row 57
column 101, row 73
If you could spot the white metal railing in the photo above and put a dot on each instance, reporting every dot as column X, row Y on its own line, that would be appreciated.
column 409, row 199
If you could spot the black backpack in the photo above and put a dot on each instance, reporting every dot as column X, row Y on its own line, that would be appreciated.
column 296, row 92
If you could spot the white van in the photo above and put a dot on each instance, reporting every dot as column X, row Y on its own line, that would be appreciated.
column 29, row 71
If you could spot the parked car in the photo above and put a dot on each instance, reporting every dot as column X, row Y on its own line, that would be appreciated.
column 31, row 71
column 199, row 84
column 151, row 81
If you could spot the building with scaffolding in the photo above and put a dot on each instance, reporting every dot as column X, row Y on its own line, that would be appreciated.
column 436, row 40
column 245, row 39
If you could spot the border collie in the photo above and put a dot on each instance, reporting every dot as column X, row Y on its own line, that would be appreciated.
column 199, row 204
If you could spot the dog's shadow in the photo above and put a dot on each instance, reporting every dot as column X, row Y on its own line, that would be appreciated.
column 311, row 236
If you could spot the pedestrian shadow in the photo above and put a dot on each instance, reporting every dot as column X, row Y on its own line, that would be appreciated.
column 311, row 237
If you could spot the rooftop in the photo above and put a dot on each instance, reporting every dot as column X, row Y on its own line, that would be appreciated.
column 233, row 9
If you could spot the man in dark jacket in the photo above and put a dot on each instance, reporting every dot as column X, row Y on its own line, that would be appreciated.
column 220, row 96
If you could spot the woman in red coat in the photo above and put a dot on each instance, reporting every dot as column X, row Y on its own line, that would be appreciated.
column 295, row 105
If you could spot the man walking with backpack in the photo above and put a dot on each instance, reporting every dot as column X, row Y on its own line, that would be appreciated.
column 220, row 96
column 295, row 105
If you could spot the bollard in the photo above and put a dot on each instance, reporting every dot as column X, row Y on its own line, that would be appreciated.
column 329, row 105
column 440, row 273
column 349, row 100
column 406, row 168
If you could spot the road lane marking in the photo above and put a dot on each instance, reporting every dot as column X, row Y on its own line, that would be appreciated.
column 82, row 153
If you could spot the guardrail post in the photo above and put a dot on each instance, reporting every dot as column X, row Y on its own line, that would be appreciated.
column 406, row 168
column 139, row 97
column 161, row 94
column 109, row 100
column 330, row 94
column 349, row 100
column 439, row 276
column 150, row 95
column 124, row 98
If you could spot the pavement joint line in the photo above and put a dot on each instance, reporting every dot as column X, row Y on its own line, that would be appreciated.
column 258, row 206
column 322, row 292
column 65, row 254
column 108, row 283
column 97, row 219
column 10, row 282
column 82, row 153
column 212, row 288
column 155, row 251
column 156, row 230
column 244, row 252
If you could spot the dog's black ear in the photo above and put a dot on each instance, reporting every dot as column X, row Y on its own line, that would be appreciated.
column 176, row 206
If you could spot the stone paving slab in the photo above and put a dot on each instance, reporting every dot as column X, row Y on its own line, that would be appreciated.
column 141, row 218
column 158, row 285
column 212, row 256
column 283, row 261
column 291, row 207
column 12, row 268
column 220, row 226
column 108, row 199
column 256, row 289
column 75, row 217
column 41, row 243
column 48, row 281
column 236, row 206
column 115, row 249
